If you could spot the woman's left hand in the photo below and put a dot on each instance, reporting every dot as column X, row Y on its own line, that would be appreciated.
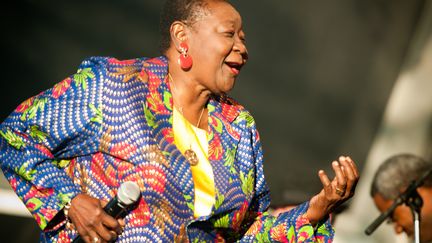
column 334, row 192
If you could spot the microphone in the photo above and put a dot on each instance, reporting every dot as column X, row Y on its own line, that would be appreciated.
column 127, row 194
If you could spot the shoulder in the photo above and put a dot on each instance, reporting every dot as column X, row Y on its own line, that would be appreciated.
column 137, row 69
column 110, row 65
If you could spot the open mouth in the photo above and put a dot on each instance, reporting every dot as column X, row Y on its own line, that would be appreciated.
column 235, row 67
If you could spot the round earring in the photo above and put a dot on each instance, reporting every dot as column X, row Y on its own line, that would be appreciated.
column 185, row 61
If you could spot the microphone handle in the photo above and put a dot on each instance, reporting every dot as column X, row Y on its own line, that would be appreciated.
column 114, row 208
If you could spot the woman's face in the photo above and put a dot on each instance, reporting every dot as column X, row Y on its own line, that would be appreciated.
column 217, row 46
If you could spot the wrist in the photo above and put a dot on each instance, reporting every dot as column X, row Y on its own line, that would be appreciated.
column 316, row 213
column 311, row 217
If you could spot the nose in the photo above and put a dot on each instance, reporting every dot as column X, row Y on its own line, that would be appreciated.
column 398, row 229
column 240, row 47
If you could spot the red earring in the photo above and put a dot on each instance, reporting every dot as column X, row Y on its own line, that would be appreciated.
column 185, row 61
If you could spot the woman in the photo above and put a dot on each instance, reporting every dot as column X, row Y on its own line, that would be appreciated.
column 167, row 124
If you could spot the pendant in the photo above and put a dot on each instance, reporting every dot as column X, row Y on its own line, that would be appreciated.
column 191, row 157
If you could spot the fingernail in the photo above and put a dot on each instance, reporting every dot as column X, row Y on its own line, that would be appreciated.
column 335, row 163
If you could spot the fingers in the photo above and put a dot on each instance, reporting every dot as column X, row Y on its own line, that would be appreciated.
column 351, row 174
column 93, row 238
column 109, row 227
column 112, row 224
column 91, row 221
column 335, row 191
column 99, row 234
column 106, row 234
column 324, row 178
column 121, row 222
column 353, row 167
column 345, row 180
column 341, row 182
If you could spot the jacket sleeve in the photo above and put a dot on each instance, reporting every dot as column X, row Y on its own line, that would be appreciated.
column 292, row 226
column 42, row 135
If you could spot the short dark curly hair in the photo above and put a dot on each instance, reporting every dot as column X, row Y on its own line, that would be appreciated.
column 187, row 11
column 397, row 172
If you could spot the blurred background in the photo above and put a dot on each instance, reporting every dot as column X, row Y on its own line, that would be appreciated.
column 325, row 78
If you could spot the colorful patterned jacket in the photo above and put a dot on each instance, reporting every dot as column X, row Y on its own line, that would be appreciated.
column 112, row 122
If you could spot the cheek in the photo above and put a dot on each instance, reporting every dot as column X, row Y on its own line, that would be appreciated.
column 403, row 216
column 219, row 50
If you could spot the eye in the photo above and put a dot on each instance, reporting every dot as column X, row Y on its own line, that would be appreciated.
column 229, row 33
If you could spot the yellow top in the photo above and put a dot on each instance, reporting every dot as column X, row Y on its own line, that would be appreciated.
column 187, row 136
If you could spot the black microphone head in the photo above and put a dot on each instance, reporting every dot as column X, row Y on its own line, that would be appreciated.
column 128, row 193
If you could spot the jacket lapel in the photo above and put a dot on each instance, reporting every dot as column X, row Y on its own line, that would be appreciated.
column 158, row 108
column 223, row 141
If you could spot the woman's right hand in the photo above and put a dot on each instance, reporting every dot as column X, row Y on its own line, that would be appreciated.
column 91, row 221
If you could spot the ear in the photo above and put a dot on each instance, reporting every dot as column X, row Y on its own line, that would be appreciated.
column 178, row 33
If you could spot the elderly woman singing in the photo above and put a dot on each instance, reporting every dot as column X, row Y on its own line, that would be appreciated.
column 166, row 124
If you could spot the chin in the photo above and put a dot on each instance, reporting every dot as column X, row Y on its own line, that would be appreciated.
column 224, row 85
column 229, row 85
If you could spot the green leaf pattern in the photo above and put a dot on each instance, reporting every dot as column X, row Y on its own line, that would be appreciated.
column 25, row 173
column 167, row 100
column 247, row 182
column 245, row 116
column 229, row 160
column 64, row 198
column 98, row 117
column 211, row 108
column 151, row 120
column 37, row 134
column 219, row 200
column 36, row 202
column 222, row 222
column 13, row 139
column 61, row 163
column 219, row 125
column 81, row 77
column 189, row 202
column 322, row 230
column 264, row 235
column 31, row 111
column 291, row 233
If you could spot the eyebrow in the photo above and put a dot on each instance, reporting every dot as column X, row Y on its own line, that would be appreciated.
column 232, row 22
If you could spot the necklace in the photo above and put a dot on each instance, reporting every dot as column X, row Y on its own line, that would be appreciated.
column 189, row 153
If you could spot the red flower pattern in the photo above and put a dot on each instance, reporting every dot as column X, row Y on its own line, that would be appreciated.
column 25, row 105
column 61, row 88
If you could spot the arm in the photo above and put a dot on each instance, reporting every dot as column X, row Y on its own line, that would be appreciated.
column 54, row 125
column 308, row 222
